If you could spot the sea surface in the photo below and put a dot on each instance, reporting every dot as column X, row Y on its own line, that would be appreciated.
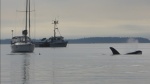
column 77, row 64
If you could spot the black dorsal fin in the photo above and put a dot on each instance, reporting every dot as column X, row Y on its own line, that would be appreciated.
column 114, row 51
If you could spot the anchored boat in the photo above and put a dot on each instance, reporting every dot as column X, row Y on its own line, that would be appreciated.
column 54, row 41
column 23, row 43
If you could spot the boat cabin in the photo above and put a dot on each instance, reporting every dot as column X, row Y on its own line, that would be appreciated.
column 20, row 39
column 58, row 38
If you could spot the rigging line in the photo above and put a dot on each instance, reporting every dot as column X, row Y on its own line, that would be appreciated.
column 19, row 19
column 16, row 20
column 34, row 22
column 59, row 32
column 25, row 11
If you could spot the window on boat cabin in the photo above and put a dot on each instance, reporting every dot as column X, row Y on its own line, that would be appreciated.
column 23, row 39
column 13, row 40
column 20, row 39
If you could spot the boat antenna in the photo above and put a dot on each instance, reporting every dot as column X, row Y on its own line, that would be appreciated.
column 12, row 32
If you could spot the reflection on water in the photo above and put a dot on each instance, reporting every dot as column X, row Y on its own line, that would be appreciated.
column 76, row 64
column 20, row 66
column 26, row 67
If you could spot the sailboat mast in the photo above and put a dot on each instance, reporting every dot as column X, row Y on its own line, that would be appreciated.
column 26, row 14
column 29, row 18
column 26, row 21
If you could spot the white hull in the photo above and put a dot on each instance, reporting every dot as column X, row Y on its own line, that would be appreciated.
column 22, row 47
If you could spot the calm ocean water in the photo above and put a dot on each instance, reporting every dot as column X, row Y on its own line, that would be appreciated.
column 77, row 64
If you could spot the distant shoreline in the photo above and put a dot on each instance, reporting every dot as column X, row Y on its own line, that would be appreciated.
column 97, row 40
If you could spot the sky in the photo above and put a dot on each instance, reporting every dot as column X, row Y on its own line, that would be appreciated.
column 78, row 18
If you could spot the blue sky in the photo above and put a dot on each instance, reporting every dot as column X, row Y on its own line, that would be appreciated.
column 79, row 18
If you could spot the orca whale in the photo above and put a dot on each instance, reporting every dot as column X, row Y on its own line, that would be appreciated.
column 115, row 52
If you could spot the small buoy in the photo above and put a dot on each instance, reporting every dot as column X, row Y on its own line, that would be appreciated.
column 39, row 53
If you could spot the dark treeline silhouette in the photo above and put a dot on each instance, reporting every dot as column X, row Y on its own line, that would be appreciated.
column 96, row 40
column 108, row 40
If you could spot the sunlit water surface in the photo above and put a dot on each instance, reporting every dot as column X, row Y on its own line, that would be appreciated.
column 77, row 64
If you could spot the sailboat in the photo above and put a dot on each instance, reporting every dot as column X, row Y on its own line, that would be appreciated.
column 23, row 43
column 54, row 41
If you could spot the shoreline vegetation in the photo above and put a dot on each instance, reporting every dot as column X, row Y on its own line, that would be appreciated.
column 96, row 40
